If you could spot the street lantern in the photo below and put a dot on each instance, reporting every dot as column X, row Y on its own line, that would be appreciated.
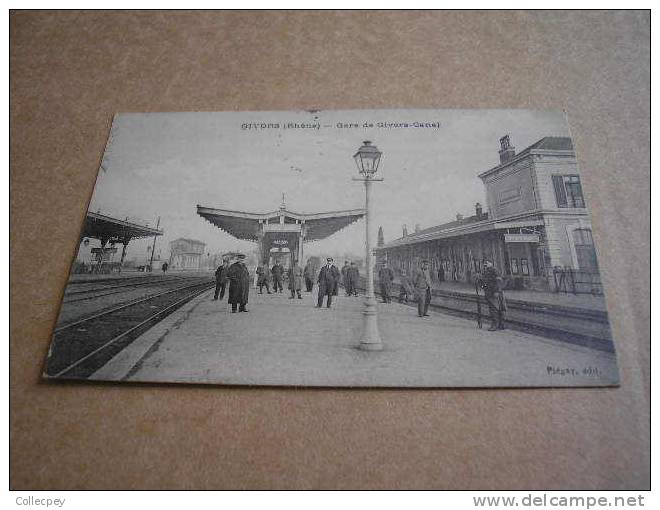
column 367, row 159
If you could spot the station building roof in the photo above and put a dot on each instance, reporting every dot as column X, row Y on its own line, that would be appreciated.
column 246, row 225
column 102, row 226
column 548, row 144
column 467, row 226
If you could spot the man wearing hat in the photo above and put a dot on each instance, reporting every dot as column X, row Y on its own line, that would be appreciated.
column 490, row 282
column 328, row 281
column 345, row 277
column 421, row 281
column 385, row 277
column 239, row 284
column 221, row 278
column 277, row 273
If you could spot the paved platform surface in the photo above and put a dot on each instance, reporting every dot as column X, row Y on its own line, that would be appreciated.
column 290, row 342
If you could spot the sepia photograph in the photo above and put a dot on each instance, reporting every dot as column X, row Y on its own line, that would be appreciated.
column 357, row 248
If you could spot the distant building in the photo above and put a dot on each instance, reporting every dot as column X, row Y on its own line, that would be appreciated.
column 186, row 254
column 537, row 224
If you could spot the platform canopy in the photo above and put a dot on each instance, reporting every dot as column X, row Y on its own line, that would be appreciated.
column 248, row 226
column 101, row 226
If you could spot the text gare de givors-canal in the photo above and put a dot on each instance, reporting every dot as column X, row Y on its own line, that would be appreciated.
column 339, row 125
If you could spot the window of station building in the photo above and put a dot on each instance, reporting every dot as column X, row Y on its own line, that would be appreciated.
column 585, row 250
column 568, row 191
column 524, row 267
column 514, row 266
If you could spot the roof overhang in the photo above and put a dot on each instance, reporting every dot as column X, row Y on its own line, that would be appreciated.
column 529, row 219
column 102, row 226
column 246, row 225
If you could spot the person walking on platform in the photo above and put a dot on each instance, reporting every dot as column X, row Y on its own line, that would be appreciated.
column 421, row 282
column 489, row 281
column 221, row 278
column 354, row 278
column 263, row 274
column 385, row 277
column 406, row 290
column 345, row 278
column 295, row 280
column 328, row 281
column 309, row 276
column 239, row 284
column 278, row 273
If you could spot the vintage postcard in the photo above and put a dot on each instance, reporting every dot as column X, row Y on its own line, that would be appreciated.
column 363, row 248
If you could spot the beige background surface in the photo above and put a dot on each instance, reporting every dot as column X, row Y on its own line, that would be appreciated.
column 71, row 71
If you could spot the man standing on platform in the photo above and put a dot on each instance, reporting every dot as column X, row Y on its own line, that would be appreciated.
column 354, row 277
column 309, row 275
column 239, row 284
column 328, row 282
column 277, row 272
column 345, row 277
column 386, row 277
column 421, row 281
column 490, row 282
column 221, row 278
column 263, row 274
column 295, row 280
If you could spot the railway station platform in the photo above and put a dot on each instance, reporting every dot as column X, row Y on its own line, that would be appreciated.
column 285, row 342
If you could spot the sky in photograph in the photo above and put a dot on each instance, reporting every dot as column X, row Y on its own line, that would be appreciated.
column 164, row 164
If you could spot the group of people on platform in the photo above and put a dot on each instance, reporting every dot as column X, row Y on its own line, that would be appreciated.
column 238, row 277
column 416, row 286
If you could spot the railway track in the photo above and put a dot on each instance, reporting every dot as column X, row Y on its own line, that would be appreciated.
column 81, row 347
column 108, row 290
column 588, row 328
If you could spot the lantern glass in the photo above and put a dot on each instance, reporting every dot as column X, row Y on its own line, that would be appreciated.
column 367, row 158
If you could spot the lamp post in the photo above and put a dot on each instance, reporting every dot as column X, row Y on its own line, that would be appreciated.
column 367, row 159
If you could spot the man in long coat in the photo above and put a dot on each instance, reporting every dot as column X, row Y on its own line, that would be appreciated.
column 263, row 275
column 277, row 272
column 239, row 284
column 295, row 280
column 328, row 282
column 490, row 282
column 385, row 277
column 309, row 276
column 345, row 277
column 421, row 280
column 354, row 278
column 221, row 278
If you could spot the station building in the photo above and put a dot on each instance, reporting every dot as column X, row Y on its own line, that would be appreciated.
column 186, row 254
column 536, row 228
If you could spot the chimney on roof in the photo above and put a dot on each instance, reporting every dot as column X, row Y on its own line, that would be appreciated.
column 507, row 151
column 459, row 216
column 405, row 230
column 479, row 210
column 418, row 228
column 381, row 237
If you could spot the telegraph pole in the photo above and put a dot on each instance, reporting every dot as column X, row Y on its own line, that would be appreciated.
column 153, row 247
